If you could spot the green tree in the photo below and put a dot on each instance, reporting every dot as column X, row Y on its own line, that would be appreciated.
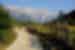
column 61, row 16
column 69, row 17
column 6, row 36
column 4, row 18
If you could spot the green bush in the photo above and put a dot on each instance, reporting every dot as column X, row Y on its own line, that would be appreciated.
column 6, row 35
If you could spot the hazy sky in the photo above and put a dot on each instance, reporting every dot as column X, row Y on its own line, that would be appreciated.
column 32, row 6
column 50, row 4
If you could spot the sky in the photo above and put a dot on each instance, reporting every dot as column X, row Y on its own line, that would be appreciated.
column 50, row 4
column 36, row 7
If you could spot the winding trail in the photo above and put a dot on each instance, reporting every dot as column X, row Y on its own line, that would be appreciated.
column 22, row 41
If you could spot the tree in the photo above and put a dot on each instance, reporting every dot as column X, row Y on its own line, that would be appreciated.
column 61, row 16
column 4, row 25
column 71, row 17
column 4, row 18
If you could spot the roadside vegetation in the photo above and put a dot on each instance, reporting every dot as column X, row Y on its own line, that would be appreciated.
column 63, row 27
column 6, row 34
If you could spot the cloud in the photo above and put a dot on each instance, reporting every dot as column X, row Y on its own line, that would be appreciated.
column 38, row 14
column 32, row 11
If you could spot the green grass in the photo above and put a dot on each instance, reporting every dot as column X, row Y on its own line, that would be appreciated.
column 41, row 28
column 7, row 37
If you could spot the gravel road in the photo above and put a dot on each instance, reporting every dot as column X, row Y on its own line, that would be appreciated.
column 22, row 41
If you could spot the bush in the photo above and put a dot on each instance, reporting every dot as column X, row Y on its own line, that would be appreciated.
column 6, row 36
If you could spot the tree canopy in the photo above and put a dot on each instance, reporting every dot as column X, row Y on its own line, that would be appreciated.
column 4, row 18
column 69, row 17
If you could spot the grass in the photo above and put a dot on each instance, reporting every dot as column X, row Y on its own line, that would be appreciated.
column 7, row 37
column 71, row 34
column 41, row 28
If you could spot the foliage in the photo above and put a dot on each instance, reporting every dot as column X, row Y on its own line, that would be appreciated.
column 6, row 36
column 4, row 19
column 67, row 17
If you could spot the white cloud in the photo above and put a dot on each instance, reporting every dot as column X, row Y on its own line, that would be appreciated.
column 35, row 12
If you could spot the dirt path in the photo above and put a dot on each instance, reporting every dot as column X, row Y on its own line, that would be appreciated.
column 22, row 41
